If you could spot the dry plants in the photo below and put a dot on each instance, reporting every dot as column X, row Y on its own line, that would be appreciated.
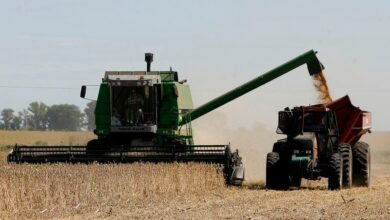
column 10, row 138
column 60, row 190
column 30, row 190
column 181, row 191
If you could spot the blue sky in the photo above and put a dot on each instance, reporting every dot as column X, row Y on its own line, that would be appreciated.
column 216, row 45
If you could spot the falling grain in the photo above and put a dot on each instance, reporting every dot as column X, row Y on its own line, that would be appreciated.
column 321, row 85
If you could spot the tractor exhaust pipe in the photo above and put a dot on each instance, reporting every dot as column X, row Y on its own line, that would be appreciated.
column 149, row 60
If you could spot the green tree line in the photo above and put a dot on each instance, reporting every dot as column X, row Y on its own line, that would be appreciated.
column 41, row 117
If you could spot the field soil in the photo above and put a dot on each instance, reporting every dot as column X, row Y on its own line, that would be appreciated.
column 180, row 191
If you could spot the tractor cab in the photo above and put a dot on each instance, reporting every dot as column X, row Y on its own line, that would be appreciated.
column 300, row 120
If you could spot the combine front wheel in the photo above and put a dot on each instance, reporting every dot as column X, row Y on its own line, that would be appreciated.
column 94, row 148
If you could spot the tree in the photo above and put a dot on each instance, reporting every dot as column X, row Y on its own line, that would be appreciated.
column 17, row 121
column 64, row 117
column 24, row 114
column 7, row 115
column 37, row 119
column 89, row 112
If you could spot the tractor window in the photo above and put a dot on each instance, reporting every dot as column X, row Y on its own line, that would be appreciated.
column 289, row 123
column 132, row 105
column 314, row 121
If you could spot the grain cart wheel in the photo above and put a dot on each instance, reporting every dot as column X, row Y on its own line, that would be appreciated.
column 361, row 164
column 275, row 178
column 335, row 178
column 346, row 156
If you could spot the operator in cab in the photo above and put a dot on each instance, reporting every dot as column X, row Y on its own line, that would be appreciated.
column 134, row 104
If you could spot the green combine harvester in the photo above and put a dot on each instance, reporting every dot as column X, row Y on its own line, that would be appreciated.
column 146, row 116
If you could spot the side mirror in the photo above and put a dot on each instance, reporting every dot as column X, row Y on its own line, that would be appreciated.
column 83, row 91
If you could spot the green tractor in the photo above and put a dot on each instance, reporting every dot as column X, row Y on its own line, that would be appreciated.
column 146, row 116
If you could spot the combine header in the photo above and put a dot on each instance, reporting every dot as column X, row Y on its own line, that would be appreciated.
column 147, row 115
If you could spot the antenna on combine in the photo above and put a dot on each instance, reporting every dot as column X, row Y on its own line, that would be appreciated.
column 149, row 60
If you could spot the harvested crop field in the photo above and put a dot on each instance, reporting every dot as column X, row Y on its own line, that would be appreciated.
column 181, row 191
column 9, row 138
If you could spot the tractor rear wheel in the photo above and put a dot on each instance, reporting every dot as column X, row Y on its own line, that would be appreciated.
column 361, row 164
column 275, row 178
column 346, row 156
column 335, row 179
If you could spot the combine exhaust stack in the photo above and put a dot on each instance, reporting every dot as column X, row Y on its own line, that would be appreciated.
column 148, row 60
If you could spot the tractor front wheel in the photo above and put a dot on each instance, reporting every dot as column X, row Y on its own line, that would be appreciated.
column 335, row 179
column 275, row 178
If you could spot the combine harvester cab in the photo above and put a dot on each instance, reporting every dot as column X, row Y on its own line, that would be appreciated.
column 322, row 141
column 146, row 116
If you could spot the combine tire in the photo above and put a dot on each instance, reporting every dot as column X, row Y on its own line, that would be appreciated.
column 94, row 148
column 346, row 156
column 335, row 179
column 275, row 178
column 361, row 164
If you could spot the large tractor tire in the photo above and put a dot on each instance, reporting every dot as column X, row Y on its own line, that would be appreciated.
column 335, row 179
column 275, row 174
column 346, row 156
column 361, row 164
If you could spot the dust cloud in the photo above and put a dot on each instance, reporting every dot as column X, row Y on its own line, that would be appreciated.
column 321, row 85
column 379, row 142
column 253, row 143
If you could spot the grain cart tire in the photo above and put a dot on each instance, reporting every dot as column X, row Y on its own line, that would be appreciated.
column 346, row 156
column 335, row 179
column 361, row 164
column 275, row 178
